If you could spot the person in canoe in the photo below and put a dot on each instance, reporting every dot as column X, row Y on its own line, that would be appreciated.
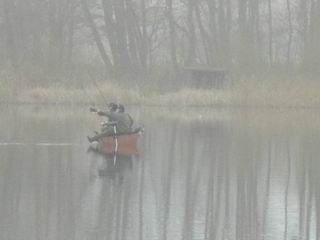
column 118, row 120
column 112, row 107
column 121, row 109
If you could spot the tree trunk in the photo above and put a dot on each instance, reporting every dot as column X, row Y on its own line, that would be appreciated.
column 313, row 36
column 144, row 45
column 9, row 30
column 96, row 36
column 172, row 34
column 121, row 36
column 132, row 38
column 213, row 31
column 303, row 17
column 270, row 33
column 110, row 30
column 222, row 32
column 192, row 34
column 257, row 30
column 205, row 38
column 70, row 36
column 243, row 57
column 290, row 35
column 228, row 34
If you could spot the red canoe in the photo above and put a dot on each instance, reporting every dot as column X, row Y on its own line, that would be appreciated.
column 125, row 144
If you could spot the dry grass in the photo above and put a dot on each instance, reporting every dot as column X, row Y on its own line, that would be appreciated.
column 247, row 122
column 249, row 93
column 90, row 95
column 9, row 89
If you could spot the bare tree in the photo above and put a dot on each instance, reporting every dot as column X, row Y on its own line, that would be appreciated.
column 172, row 34
column 96, row 35
column 135, row 37
column 191, row 33
column 270, row 26
column 290, row 34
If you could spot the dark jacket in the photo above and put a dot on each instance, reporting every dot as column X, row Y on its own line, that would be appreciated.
column 124, row 121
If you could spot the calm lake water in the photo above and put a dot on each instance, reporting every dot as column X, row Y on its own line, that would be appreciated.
column 201, row 174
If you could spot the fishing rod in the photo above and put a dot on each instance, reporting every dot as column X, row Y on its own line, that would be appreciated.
column 86, row 93
column 97, row 87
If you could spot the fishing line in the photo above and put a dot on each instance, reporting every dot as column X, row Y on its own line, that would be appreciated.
column 97, row 87
column 46, row 144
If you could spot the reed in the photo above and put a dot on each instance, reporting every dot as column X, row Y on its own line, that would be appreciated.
column 245, row 93
column 88, row 95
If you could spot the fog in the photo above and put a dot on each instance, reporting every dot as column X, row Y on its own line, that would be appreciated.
column 59, row 40
column 214, row 134
column 232, row 174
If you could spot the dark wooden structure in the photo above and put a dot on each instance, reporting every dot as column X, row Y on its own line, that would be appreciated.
column 204, row 78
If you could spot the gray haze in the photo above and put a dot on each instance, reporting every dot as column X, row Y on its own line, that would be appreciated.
column 52, row 40
column 228, row 92
column 226, row 177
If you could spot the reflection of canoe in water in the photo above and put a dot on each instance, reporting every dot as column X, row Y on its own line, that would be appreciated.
column 123, row 144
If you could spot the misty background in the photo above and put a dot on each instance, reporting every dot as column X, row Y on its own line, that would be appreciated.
column 64, row 41
column 242, row 163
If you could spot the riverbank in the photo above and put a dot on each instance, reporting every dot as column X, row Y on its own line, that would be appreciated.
column 247, row 121
column 267, row 94
column 246, row 93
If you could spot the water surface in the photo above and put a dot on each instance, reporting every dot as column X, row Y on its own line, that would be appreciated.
column 201, row 174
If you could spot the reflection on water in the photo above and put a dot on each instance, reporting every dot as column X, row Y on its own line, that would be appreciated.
column 194, row 179
column 113, row 166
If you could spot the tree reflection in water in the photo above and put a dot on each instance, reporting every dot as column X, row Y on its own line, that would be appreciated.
column 193, row 180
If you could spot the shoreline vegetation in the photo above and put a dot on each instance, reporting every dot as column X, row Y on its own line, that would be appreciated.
column 247, row 121
column 270, row 50
column 245, row 93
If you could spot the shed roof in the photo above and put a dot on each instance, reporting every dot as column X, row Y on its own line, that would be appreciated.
column 207, row 69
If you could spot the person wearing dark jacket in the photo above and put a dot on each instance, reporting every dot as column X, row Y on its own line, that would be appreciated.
column 118, row 121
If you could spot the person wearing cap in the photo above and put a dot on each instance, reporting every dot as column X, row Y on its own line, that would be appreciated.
column 120, row 118
column 112, row 107
column 121, row 109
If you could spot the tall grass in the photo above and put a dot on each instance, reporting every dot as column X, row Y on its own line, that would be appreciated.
column 9, row 87
column 88, row 95
column 245, row 93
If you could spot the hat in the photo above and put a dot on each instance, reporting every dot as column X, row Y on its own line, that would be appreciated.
column 121, row 108
column 112, row 106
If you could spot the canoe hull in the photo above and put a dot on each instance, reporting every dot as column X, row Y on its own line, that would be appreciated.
column 127, row 144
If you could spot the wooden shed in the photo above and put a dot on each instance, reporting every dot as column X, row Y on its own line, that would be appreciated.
column 204, row 78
